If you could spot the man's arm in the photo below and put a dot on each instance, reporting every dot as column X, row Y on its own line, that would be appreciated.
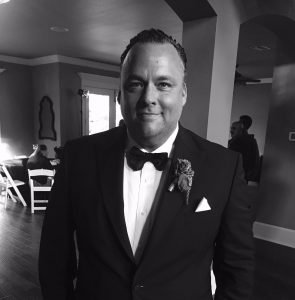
column 57, row 257
column 233, row 262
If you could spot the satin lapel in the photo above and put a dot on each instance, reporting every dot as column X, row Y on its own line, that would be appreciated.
column 110, row 169
column 172, row 203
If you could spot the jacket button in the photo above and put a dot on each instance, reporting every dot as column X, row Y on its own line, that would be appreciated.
column 139, row 286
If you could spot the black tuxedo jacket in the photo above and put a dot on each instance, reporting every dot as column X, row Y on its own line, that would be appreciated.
column 175, row 254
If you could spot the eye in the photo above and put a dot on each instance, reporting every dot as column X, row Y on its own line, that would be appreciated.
column 134, row 85
column 164, row 85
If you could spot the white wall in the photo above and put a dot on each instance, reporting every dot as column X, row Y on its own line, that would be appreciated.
column 229, row 18
column 198, row 41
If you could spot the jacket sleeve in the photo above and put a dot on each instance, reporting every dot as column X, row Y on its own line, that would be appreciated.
column 57, row 257
column 233, row 262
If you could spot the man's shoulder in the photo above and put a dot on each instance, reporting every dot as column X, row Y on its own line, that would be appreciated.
column 97, row 137
column 100, row 140
column 206, row 145
column 215, row 154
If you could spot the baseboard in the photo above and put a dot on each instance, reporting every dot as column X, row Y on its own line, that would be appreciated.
column 274, row 234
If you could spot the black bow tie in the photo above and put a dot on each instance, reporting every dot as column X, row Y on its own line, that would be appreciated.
column 136, row 159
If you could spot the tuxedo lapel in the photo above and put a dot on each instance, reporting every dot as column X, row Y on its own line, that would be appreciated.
column 110, row 167
column 151, row 217
column 172, row 203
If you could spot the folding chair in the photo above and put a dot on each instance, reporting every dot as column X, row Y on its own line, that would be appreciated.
column 37, row 187
column 11, row 184
column 4, row 188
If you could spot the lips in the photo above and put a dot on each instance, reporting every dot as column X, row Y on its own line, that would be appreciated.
column 147, row 115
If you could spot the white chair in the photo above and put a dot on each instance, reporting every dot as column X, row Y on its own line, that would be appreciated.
column 6, row 178
column 37, row 187
column 4, row 188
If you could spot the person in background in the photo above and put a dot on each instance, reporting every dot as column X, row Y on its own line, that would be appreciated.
column 247, row 122
column 151, row 204
column 245, row 144
column 236, row 130
column 58, row 155
column 38, row 160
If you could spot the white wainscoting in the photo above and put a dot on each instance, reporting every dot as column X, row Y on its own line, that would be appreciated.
column 274, row 234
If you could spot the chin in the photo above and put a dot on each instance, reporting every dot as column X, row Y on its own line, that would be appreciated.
column 149, row 130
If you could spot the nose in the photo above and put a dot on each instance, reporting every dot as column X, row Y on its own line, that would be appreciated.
column 149, row 95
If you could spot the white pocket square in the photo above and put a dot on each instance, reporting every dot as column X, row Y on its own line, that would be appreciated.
column 203, row 205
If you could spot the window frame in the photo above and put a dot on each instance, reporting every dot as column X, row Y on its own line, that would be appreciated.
column 96, row 84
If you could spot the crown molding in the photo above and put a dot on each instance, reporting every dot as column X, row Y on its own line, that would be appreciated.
column 14, row 60
column 51, row 59
column 90, row 81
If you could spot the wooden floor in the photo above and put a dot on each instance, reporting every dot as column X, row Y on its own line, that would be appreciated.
column 19, row 246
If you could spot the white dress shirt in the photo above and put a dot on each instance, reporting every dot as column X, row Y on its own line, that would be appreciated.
column 139, row 191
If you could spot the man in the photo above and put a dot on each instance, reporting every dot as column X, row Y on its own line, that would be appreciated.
column 236, row 129
column 246, row 121
column 38, row 160
column 148, row 230
column 246, row 144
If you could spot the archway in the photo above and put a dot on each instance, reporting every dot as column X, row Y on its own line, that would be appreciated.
column 275, row 201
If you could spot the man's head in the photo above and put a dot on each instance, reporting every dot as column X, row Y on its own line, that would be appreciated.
column 155, row 36
column 236, row 129
column 43, row 149
column 247, row 121
column 153, row 90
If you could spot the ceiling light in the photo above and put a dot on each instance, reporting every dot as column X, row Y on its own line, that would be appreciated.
column 4, row 1
column 59, row 29
column 261, row 48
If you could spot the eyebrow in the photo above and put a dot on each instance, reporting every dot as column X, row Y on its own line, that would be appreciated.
column 166, row 77
column 134, row 77
column 140, row 78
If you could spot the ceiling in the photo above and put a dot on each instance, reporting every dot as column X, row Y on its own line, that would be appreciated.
column 99, row 30
column 256, row 51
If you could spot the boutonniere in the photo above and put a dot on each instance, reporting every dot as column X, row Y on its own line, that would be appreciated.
column 182, row 177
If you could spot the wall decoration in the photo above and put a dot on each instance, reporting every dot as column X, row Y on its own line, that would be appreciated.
column 46, row 120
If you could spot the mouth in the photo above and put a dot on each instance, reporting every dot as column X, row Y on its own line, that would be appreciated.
column 147, row 115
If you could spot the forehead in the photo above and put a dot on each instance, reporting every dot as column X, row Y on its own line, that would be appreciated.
column 148, row 55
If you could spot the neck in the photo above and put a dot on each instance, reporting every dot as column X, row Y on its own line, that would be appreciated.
column 150, row 144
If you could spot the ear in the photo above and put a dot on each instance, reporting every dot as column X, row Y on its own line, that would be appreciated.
column 184, row 93
column 119, row 97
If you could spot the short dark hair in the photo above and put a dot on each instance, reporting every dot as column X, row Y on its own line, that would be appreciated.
column 246, row 120
column 155, row 36
column 43, row 147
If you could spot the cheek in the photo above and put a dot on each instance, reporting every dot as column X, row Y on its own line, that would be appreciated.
column 174, row 108
column 128, row 105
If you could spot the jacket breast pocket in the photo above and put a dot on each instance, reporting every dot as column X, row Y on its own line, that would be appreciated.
column 202, row 222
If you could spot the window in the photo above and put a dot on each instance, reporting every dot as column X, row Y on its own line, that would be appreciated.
column 118, row 113
column 100, row 111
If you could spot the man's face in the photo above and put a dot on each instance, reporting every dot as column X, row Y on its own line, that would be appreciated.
column 153, row 92
column 235, row 129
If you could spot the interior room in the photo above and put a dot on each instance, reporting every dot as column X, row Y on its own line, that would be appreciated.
column 60, row 79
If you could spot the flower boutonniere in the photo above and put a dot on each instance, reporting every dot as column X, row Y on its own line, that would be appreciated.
column 183, row 177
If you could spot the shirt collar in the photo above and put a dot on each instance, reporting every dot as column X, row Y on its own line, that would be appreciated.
column 166, row 147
